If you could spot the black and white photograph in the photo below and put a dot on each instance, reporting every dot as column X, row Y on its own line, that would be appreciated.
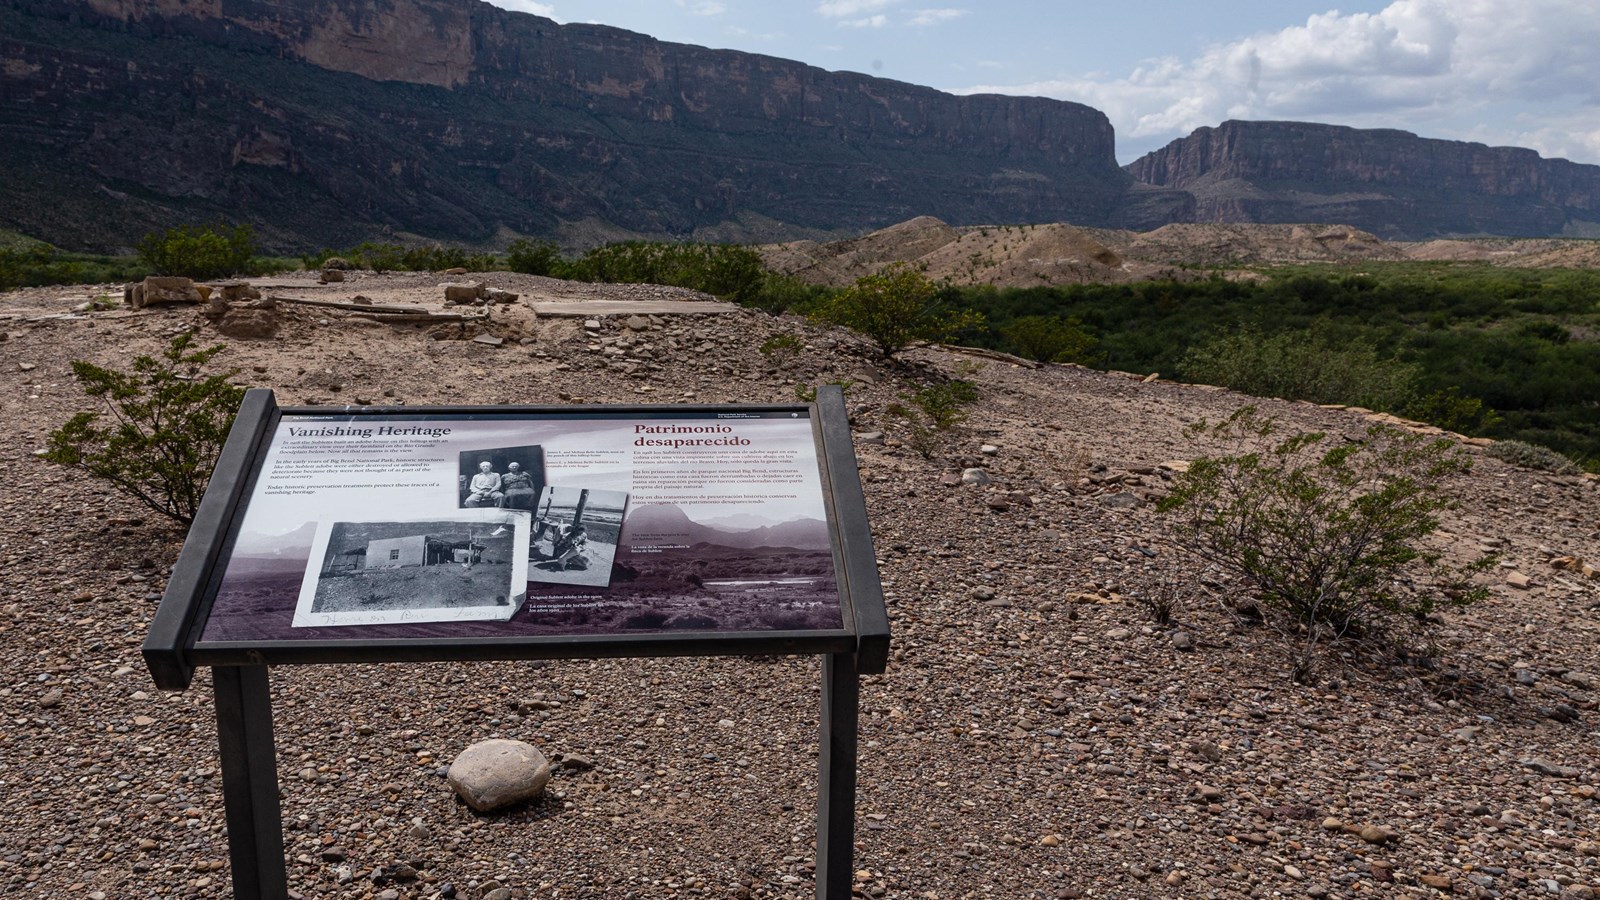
column 465, row 565
column 574, row 536
column 500, row 478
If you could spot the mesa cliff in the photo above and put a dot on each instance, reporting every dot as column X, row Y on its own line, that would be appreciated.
column 1392, row 183
column 330, row 121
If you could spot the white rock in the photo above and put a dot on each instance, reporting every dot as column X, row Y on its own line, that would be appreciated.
column 497, row 773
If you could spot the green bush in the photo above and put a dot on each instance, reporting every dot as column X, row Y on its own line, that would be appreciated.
column 1313, row 365
column 1051, row 339
column 534, row 258
column 897, row 306
column 199, row 252
column 780, row 349
column 1327, row 532
column 932, row 412
column 400, row 258
column 722, row 270
column 1532, row 456
column 161, row 430
column 1453, row 411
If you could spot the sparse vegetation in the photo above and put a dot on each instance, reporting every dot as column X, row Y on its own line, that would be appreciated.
column 931, row 412
column 896, row 307
column 780, row 349
column 162, row 427
column 1328, row 533
column 1532, row 456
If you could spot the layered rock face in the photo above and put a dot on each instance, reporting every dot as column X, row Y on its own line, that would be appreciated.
column 1391, row 183
column 334, row 120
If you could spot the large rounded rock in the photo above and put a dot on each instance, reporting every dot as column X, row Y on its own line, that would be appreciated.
column 493, row 774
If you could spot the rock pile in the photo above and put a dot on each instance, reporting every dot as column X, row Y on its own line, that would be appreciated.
column 159, row 289
column 463, row 293
column 239, row 311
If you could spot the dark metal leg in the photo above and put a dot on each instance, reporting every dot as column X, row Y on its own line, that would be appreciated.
column 836, row 777
column 250, row 782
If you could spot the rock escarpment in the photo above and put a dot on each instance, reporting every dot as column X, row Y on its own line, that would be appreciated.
column 334, row 121
column 1392, row 183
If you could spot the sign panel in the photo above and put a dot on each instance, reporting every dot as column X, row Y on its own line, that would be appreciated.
column 429, row 525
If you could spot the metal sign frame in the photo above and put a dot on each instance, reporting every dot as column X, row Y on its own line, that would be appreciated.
column 174, row 646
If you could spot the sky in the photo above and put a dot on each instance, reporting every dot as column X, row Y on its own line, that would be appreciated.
column 1522, row 73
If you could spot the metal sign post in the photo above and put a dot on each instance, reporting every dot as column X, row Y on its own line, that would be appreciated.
column 519, row 595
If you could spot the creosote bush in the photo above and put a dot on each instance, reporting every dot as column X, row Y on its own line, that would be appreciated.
column 896, row 307
column 932, row 412
column 1328, row 532
column 164, row 424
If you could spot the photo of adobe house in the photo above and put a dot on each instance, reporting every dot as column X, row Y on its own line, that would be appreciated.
column 415, row 550
column 468, row 564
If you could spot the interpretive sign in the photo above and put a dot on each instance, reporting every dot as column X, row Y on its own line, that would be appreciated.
column 358, row 534
column 587, row 522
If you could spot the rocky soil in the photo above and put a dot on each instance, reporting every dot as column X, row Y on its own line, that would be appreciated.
column 1036, row 735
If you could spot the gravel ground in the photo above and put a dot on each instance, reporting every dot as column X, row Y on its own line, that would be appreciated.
column 1036, row 734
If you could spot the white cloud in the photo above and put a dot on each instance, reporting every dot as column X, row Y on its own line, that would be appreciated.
column 528, row 6
column 839, row 9
column 1435, row 67
column 737, row 31
column 877, row 21
column 703, row 7
column 926, row 17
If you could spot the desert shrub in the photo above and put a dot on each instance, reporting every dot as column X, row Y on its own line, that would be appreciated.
column 161, row 430
column 400, row 258
column 780, row 349
column 933, row 411
column 1453, row 411
column 1302, row 365
column 780, row 293
column 1051, row 339
column 34, row 264
column 1328, row 532
column 1532, row 456
column 897, row 306
column 534, row 257
column 199, row 252
column 946, row 404
column 723, row 270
